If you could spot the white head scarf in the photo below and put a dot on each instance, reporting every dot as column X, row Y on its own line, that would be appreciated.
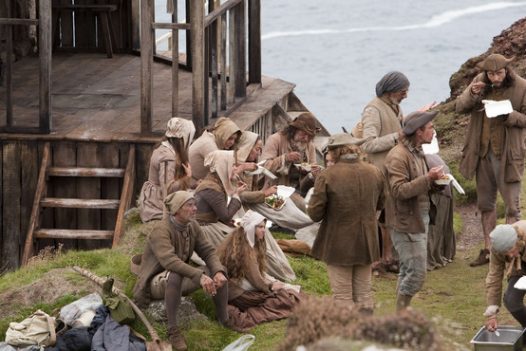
column 246, row 143
column 180, row 128
column 222, row 163
column 249, row 222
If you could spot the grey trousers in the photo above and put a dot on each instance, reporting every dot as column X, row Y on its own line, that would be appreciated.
column 412, row 249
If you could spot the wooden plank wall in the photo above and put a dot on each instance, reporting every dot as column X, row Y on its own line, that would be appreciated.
column 88, row 33
column 19, row 166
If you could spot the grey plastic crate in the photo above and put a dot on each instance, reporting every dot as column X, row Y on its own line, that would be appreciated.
column 510, row 339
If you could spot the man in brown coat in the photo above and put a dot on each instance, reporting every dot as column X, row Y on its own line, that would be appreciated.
column 494, row 150
column 409, row 184
column 169, row 248
column 346, row 197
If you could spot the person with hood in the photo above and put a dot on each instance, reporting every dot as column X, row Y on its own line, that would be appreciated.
column 346, row 197
column 507, row 259
column 287, row 151
column 169, row 169
column 165, row 270
column 223, row 136
column 216, row 213
column 253, row 298
column 410, row 181
column 494, row 147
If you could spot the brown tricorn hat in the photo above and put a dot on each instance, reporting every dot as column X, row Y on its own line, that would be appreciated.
column 306, row 122
column 417, row 120
column 494, row 62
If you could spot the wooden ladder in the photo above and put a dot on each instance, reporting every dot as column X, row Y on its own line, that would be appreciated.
column 40, row 201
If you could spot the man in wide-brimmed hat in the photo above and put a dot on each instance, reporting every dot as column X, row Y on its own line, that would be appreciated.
column 410, row 181
column 494, row 151
column 288, row 151
column 346, row 197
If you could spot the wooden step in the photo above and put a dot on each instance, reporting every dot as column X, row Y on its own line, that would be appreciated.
column 85, row 172
column 85, row 234
column 79, row 203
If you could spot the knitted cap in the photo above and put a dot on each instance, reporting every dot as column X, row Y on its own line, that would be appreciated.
column 503, row 238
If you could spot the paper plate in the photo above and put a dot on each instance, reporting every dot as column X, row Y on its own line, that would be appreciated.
column 497, row 108
column 285, row 191
column 444, row 181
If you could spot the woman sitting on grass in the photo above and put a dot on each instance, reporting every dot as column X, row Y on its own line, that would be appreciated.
column 252, row 298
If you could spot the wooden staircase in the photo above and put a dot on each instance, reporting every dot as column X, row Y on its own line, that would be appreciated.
column 40, row 202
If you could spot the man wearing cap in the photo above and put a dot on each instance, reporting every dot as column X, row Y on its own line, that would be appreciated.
column 410, row 181
column 346, row 197
column 286, row 151
column 507, row 258
column 165, row 271
column 493, row 150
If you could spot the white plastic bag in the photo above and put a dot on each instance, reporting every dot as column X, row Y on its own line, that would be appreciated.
column 80, row 313
column 241, row 344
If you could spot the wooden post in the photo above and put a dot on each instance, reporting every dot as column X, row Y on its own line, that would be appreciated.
column 44, row 47
column 135, row 24
column 175, row 63
column 213, row 56
column 146, row 65
column 240, row 73
column 254, row 41
column 188, row 11
column 9, row 69
column 233, row 59
column 197, row 12
column 223, row 61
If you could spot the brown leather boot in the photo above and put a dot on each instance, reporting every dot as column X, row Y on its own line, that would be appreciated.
column 177, row 339
column 482, row 259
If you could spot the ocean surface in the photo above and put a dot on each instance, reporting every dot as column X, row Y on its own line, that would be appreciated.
column 336, row 50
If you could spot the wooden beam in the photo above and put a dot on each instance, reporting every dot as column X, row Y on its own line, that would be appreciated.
column 173, row 25
column 9, row 70
column 146, row 65
column 213, row 15
column 44, row 48
column 35, row 213
column 126, row 195
column 135, row 24
column 240, row 73
column 86, row 172
column 79, row 203
column 198, row 63
column 18, row 21
column 223, row 62
column 175, row 62
column 80, row 234
column 188, row 11
column 254, row 41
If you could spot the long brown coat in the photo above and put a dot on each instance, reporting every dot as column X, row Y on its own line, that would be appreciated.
column 346, row 198
column 406, row 183
column 512, row 160
column 169, row 249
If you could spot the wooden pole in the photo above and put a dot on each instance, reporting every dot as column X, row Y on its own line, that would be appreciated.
column 135, row 24
column 254, row 41
column 197, row 11
column 146, row 65
column 9, row 69
column 188, row 35
column 175, row 62
column 240, row 73
column 44, row 47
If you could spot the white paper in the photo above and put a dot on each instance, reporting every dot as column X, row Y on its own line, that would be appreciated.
column 521, row 283
column 285, row 191
column 263, row 170
column 497, row 108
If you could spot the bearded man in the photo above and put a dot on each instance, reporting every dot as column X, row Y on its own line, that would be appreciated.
column 494, row 150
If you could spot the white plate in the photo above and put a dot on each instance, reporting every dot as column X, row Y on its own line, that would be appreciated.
column 497, row 108
column 285, row 191
column 521, row 283
column 444, row 181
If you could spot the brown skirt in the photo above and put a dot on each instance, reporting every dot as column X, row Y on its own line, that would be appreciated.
column 254, row 307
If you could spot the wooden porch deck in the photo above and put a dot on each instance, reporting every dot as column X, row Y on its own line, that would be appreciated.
column 98, row 99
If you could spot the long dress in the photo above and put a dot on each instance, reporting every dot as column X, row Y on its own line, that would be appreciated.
column 161, row 182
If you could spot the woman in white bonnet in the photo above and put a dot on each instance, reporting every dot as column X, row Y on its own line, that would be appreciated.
column 507, row 259
column 169, row 169
column 252, row 297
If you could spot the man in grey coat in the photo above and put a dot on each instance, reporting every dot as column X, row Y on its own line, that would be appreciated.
column 494, row 150
column 410, row 181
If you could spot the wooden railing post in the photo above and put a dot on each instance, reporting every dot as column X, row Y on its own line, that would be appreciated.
column 9, row 68
column 175, row 63
column 44, row 48
column 146, row 65
column 254, row 41
column 197, row 12
column 240, row 36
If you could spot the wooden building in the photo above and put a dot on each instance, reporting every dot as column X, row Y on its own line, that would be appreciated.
column 82, row 107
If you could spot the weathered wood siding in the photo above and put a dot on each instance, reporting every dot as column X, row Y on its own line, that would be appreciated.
column 19, row 167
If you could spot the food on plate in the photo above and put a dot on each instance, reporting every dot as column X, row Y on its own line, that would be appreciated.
column 444, row 180
column 275, row 201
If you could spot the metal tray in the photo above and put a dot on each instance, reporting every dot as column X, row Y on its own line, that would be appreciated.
column 510, row 339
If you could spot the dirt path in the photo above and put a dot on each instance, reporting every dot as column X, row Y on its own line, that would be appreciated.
column 471, row 230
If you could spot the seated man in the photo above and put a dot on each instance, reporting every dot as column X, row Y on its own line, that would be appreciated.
column 507, row 256
column 169, row 248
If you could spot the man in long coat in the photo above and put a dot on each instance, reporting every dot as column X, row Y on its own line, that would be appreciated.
column 494, row 148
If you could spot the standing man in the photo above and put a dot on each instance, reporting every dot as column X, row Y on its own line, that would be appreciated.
column 409, row 183
column 494, row 150
column 381, row 123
